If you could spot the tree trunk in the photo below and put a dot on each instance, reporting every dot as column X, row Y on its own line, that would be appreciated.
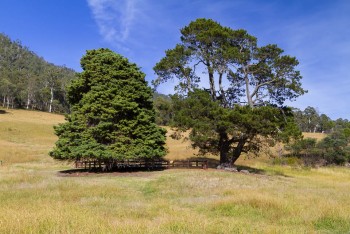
column 238, row 150
column 221, row 88
column 211, row 81
column 224, row 154
column 51, row 99
column 28, row 102
column 249, row 98
column 224, row 147
column 7, row 102
column 12, row 102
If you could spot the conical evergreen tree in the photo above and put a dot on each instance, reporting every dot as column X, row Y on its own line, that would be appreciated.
column 112, row 115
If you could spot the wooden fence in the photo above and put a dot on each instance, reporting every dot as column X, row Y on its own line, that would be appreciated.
column 107, row 165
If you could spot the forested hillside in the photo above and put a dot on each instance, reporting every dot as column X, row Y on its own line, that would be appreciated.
column 28, row 81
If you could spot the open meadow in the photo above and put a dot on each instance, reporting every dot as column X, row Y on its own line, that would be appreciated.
column 35, row 198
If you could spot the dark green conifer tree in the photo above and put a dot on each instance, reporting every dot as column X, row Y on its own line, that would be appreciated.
column 112, row 115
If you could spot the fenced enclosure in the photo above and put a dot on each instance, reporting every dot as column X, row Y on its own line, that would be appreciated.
column 112, row 164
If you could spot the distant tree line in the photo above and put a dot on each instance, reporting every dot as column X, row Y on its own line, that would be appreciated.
column 28, row 81
column 310, row 120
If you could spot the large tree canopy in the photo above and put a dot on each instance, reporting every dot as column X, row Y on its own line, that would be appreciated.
column 112, row 115
column 232, row 58
column 230, row 131
column 253, row 84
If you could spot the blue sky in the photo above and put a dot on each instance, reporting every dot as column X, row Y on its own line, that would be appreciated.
column 317, row 32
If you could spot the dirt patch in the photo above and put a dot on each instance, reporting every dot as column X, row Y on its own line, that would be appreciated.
column 122, row 173
column 129, row 173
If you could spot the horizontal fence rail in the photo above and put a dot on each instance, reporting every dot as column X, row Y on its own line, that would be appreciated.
column 107, row 165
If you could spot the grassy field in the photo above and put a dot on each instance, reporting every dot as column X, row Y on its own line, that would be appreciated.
column 280, row 199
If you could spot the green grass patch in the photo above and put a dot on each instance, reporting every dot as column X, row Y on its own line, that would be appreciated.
column 332, row 224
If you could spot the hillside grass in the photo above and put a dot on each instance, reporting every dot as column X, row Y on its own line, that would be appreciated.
column 34, row 198
column 316, row 135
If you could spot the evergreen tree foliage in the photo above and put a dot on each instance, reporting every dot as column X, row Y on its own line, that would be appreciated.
column 230, row 131
column 112, row 115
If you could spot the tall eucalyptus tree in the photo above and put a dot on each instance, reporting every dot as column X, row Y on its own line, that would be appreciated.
column 245, row 83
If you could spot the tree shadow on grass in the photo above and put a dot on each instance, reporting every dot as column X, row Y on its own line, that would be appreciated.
column 137, row 172
column 269, row 172
column 250, row 169
column 147, row 171
column 213, row 163
column 3, row 112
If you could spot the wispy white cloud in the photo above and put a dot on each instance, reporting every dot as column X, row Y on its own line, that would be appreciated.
column 316, row 35
column 114, row 19
column 321, row 43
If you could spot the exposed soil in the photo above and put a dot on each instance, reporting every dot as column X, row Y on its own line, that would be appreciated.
column 121, row 173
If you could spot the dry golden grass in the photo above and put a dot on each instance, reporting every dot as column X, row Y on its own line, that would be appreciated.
column 34, row 199
column 35, row 117
column 179, row 149
column 25, row 135
column 318, row 136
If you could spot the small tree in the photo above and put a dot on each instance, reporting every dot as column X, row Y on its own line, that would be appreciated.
column 112, row 115
column 163, row 108
column 333, row 149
